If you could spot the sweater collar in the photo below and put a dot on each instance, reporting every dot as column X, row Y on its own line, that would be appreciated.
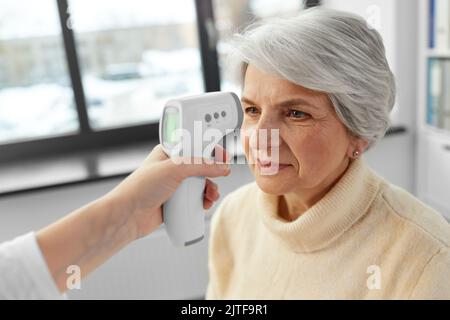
column 330, row 217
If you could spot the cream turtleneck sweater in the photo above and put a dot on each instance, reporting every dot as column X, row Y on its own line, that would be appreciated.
column 365, row 239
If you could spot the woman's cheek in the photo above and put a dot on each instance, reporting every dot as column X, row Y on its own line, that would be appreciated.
column 302, row 148
column 312, row 157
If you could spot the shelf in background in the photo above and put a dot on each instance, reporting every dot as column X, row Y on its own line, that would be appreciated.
column 436, row 131
column 436, row 53
column 432, row 152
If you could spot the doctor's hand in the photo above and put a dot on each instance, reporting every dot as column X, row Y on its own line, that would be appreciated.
column 90, row 235
column 153, row 183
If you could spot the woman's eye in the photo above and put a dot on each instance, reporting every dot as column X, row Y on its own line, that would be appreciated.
column 251, row 111
column 297, row 114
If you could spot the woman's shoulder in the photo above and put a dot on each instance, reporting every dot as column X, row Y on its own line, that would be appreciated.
column 416, row 216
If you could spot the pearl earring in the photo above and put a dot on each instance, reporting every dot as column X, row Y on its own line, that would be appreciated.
column 356, row 153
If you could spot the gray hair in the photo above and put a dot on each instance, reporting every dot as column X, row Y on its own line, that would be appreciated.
column 326, row 50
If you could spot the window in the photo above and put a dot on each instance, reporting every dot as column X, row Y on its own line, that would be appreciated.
column 36, row 98
column 134, row 55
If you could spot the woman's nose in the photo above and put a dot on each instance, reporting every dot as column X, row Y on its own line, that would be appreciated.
column 265, row 135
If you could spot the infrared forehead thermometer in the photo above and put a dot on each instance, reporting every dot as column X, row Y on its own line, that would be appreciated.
column 187, row 128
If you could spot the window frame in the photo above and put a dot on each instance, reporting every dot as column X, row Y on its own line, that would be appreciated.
column 86, row 138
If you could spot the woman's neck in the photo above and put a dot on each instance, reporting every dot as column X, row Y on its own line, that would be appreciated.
column 294, row 204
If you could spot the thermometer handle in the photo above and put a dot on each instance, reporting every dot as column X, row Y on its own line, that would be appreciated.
column 183, row 213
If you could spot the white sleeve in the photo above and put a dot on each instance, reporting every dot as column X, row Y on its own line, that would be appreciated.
column 23, row 271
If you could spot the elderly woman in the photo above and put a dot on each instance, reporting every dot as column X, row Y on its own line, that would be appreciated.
column 323, row 225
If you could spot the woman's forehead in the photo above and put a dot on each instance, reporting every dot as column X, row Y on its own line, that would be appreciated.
column 258, row 82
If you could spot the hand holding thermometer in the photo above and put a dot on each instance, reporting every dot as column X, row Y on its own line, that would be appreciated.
column 192, row 126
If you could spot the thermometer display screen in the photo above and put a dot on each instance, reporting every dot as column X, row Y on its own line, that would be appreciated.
column 171, row 123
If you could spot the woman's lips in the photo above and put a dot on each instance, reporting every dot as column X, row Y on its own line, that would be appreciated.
column 266, row 164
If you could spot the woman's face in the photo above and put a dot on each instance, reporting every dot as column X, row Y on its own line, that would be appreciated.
column 313, row 146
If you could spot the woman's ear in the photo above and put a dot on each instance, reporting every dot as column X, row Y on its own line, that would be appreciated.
column 356, row 147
